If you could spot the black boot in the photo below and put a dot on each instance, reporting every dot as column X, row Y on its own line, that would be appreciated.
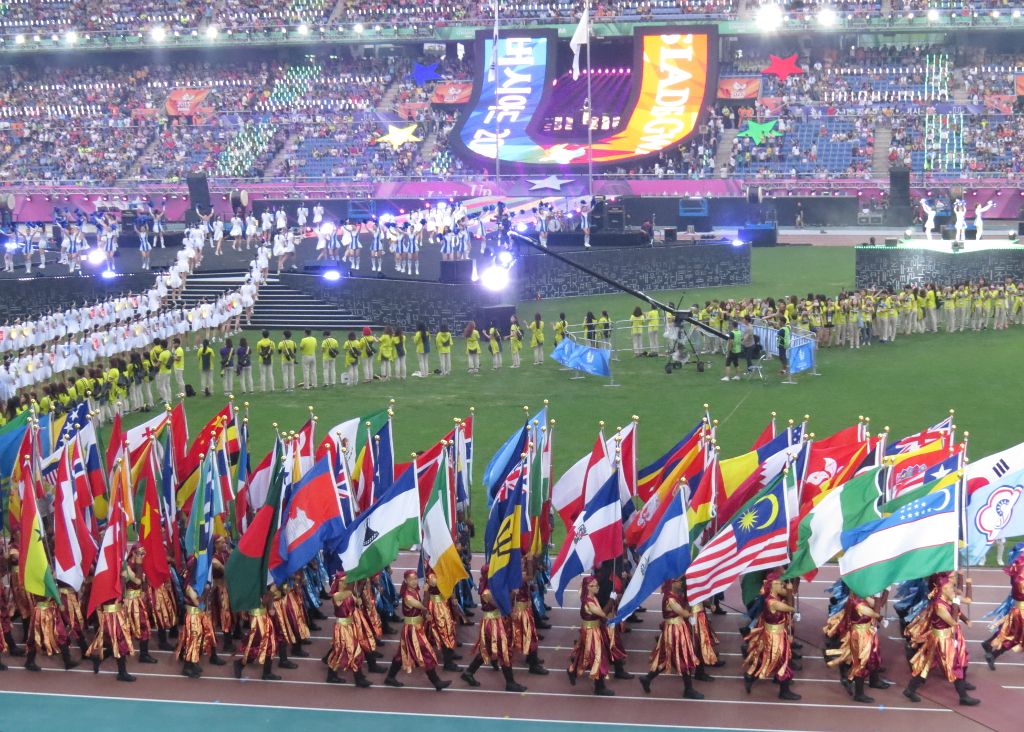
column 961, row 689
column 373, row 667
column 620, row 670
column 13, row 649
column 875, row 681
column 536, row 666
column 144, row 656
column 216, row 660
column 990, row 654
column 228, row 646
column 237, row 667
column 282, row 659
column 471, row 669
column 600, row 689
column 268, row 671
column 96, row 664
column 748, row 682
column 30, row 662
column 122, row 672
column 688, row 691
column 701, row 674
column 911, row 691
column 191, row 670
column 858, row 692
column 298, row 652
column 449, row 663
column 439, row 684
column 162, row 644
column 510, row 681
column 65, row 656
column 333, row 678
column 390, row 679
column 2, row 666
column 361, row 681
column 787, row 693
column 645, row 681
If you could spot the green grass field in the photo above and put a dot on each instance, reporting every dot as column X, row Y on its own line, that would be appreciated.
column 907, row 385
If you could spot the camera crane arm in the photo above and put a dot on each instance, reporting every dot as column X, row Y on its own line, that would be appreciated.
column 685, row 315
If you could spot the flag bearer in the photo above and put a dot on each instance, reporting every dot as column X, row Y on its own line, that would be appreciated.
column 414, row 649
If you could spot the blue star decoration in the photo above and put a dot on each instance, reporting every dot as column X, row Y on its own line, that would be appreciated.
column 421, row 74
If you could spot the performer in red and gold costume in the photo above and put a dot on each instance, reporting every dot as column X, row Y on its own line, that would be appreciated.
column 441, row 624
column 284, row 628
column 136, row 601
column 261, row 642
column 591, row 654
column 859, row 652
column 944, row 648
column 525, row 638
column 494, row 645
column 197, row 638
column 414, row 649
column 164, row 608
column 71, row 614
column 7, row 644
column 46, row 633
column 1010, row 633
column 345, row 653
column 769, row 653
column 674, row 650
column 219, row 605
column 705, row 641
column 113, row 638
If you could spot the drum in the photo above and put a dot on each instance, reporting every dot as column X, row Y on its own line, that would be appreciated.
column 554, row 224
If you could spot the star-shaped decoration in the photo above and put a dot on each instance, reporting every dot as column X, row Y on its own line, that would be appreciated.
column 421, row 74
column 759, row 131
column 561, row 154
column 783, row 68
column 552, row 182
column 941, row 472
column 398, row 136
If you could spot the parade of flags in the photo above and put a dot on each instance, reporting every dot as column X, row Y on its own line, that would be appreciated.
column 582, row 481
column 438, row 545
column 503, row 536
column 34, row 569
column 311, row 520
column 199, row 535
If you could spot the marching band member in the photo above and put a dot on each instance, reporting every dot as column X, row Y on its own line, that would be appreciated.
column 591, row 654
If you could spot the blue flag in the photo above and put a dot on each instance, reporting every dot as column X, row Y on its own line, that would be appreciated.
column 311, row 519
column 589, row 360
column 508, row 455
column 504, row 550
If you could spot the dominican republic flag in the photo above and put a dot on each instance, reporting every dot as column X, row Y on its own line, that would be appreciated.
column 581, row 482
column 311, row 518
column 757, row 538
column 596, row 536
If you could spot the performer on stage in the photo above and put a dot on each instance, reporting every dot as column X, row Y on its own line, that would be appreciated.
column 769, row 652
column 929, row 221
column 346, row 652
column 414, row 650
column 674, row 650
column 859, row 649
column 585, row 222
column 1009, row 617
column 591, row 654
column 197, row 638
column 979, row 225
column 944, row 648
column 494, row 644
column 960, row 223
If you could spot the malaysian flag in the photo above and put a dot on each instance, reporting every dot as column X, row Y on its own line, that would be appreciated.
column 757, row 538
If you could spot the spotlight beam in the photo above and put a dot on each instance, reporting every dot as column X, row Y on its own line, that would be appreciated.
column 684, row 315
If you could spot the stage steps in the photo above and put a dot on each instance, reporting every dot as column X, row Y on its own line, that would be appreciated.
column 724, row 149
column 880, row 158
column 278, row 306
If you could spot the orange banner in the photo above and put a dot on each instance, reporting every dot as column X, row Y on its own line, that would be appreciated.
column 1000, row 103
column 1020, row 85
column 739, row 87
column 185, row 102
column 452, row 92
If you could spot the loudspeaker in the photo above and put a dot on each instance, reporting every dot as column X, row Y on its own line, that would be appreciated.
column 500, row 314
column 899, row 187
column 1020, row 228
column 615, row 219
column 670, row 233
column 890, row 241
column 459, row 272
column 755, row 194
column 948, row 233
column 199, row 192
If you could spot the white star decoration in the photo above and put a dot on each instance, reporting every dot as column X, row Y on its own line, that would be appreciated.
column 561, row 154
column 552, row 182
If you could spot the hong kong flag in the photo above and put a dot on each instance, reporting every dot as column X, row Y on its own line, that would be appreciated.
column 311, row 518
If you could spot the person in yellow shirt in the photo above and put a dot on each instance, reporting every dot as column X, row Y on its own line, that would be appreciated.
column 368, row 343
column 537, row 339
column 472, row 336
column 265, row 359
column 179, row 365
column 494, row 345
column 165, row 366
column 307, row 355
column 561, row 326
column 387, row 353
column 421, row 339
column 604, row 325
column 205, row 354
column 515, row 340
column 352, row 352
column 444, row 342
column 398, row 340
column 329, row 349
column 287, row 349
column 637, row 323
column 653, row 336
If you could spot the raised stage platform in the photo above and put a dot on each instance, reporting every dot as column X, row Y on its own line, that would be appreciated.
column 920, row 261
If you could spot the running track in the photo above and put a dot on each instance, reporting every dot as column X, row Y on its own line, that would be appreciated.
column 163, row 699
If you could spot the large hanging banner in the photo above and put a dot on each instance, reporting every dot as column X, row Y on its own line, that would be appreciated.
column 674, row 71
column 452, row 92
column 185, row 102
column 739, row 87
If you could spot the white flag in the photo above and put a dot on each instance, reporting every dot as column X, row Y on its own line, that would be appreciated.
column 580, row 37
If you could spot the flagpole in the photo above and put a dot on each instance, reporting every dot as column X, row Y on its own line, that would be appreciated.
column 497, row 85
column 590, row 115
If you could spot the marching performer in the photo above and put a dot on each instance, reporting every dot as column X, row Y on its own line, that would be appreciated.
column 197, row 638
column 859, row 647
column 769, row 651
column 261, row 643
column 494, row 644
column 136, row 605
column 346, row 652
column 113, row 638
column 414, row 649
column 1009, row 617
column 46, row 633
column 591, row 654
column 674, row 650
column 525, row 638
column 441, row 624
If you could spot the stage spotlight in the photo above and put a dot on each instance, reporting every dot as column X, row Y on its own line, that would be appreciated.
column 521, row 227
column 96, row 257
column 331, row 275
column 933, row 15
column 303, row 29
column 211, row 32
column 20, row 39
column 827, row 17
column 909, row 232
column 158, row 33
column 995, row 14
column 359, row 28
column 71, row 37
column 1015, row 14
column 494, row 278
column 108, row 274
column 505, row 258
column 737, row 242
column 769, row 17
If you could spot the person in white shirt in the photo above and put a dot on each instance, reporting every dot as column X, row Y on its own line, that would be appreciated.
column 236, row 233
column 282, row 219
column 318, row 215
column 301, row 215
column 267, row 224
column 218, row 235
column 252, row 229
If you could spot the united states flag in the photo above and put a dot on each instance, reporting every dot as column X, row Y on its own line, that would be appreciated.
column 757, row 538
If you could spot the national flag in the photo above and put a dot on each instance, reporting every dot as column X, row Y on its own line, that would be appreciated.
column 249, row 564
column 199, row 534
column 581, row 482
column 503, row 538
column 106, row 578
column 917, row 541
column 438, row 544
column 938, row 476
column 68, row 528
column 580, row 37
column 757, row 538
column 427, row 464
column 842, row 508
column 767, row 434
column 383, row 459
column 664, row 557
column 828, row 466
column 995, row 510
column 642, row 523
column 464, row 447
column 179, row 434
column 701, row 509
column 353, row 441
column 596, row 536
column 138, row 437
column 34, row 568
column 305, row 446
column 242, row 508
column 311, row 520
column 650, row 477
column 88, row 445
column 908, row 469
column 391, row 524
column 85, row 515
column 625, row 440
column 915, row 442
column 744, row 476
column 504, row 460
column 11, row 436
column 189, row 469
column 151, row 530
column 847, row 436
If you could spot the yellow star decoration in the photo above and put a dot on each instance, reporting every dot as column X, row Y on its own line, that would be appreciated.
column 747, row 520
column 398, row 136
